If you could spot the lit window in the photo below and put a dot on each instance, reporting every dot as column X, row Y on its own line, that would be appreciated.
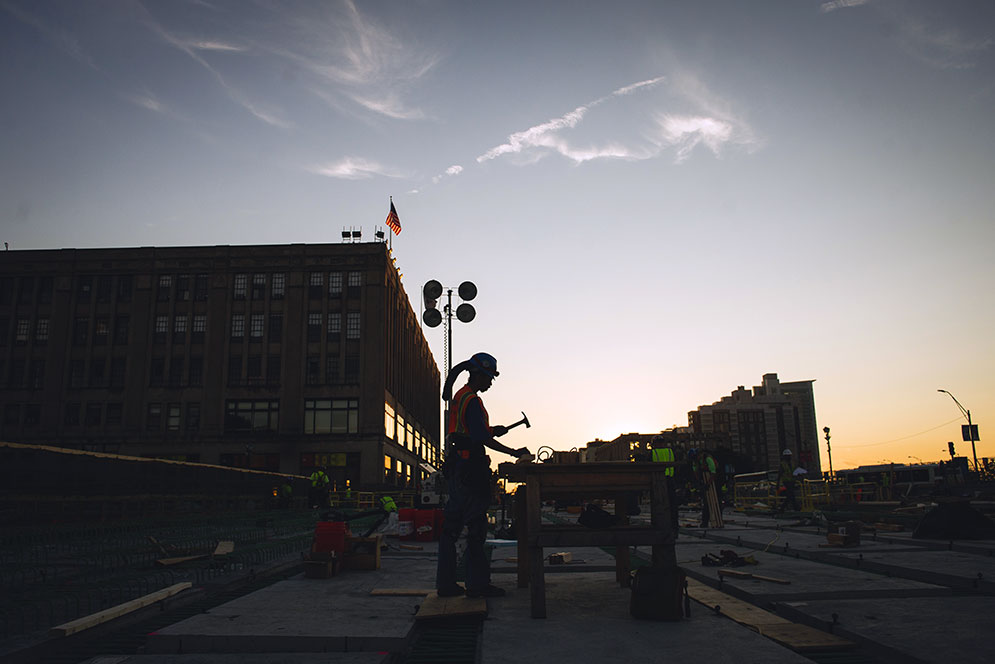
column 388, row 421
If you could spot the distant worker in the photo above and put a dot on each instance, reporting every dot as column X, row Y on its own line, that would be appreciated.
column 286, row 494
column 663, row 453
column 787, row 480
column 467, row 472
column 711, row 509
column 319, row 488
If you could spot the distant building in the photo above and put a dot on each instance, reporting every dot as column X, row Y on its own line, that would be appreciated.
column 757, row 426
column 283, row 357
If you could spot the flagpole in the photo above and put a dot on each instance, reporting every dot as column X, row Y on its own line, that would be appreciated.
column 390, row 239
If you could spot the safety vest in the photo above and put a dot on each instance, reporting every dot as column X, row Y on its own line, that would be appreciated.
column 319, row 479
column 457, row 411
column 664, row 454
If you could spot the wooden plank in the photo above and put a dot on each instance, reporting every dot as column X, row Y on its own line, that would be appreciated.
column 451, row 607
column 793, row 635
column 748, row 575
column 224, row 548
column 402, row 592
column 802, row 638
column 95, row 619
column 166, row 562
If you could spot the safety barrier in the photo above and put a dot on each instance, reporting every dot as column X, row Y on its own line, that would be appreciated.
column 368, row 500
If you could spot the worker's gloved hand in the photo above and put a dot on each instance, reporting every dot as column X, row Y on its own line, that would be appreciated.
column 498, row 430
column 522, row 453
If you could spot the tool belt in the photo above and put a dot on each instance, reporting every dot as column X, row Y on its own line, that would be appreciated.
column 464, row 447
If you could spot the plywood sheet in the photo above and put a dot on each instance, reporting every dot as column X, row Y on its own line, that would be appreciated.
column 451, row 607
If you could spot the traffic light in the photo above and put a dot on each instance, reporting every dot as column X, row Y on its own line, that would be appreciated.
column 950, row 446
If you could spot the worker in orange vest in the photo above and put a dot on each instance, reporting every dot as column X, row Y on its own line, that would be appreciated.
column 467, row 470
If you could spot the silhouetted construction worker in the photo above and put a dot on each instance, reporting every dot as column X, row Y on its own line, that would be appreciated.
column 663, row 453
column 467, row 471
column 319, row 488
column 787, row 480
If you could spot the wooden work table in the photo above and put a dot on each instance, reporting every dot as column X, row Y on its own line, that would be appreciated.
column 587, row 481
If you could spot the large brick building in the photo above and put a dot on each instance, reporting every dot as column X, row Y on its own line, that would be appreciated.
column 284, row 358
column 759, row 425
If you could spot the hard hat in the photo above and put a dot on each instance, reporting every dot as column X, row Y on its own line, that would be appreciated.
column 485, row 363
column 692, row 452
column 786, row 452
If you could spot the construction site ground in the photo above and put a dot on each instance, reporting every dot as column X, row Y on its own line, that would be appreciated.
column 891, row 598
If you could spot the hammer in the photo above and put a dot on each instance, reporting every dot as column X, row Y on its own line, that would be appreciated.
column 524, row 420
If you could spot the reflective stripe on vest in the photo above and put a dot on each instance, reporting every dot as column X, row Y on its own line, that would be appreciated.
column 664, row 454
column 457, row 414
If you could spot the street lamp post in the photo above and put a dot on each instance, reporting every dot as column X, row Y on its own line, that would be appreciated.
column 970, row 427
column 829, row 450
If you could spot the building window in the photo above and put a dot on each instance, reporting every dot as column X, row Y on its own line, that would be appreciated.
column 193, row 416
column 256, row 322
column 153, row 417
column 119, row 366
column 355, row 279
column 200, row 285
column 183, row 288
column 252, row 415
column 161, row 329
column 331, row 416
column 101, row 330
column 76, row 375
column 179, row 329
column 254, row 369
column 335, row 284
column 173, row 417
column 352, row 368
column 94, row 413
column 81, row 329
column 114, row 414
column 196, row 371
column 400, row 432
column 12, row 414
column 352, row 325
column 22, row 331
column 388, row 421
column 332, row 369
column 410, row 438
column 32, row 415
column 276, row 328
column 334, row 326
column 388, row 469
column 165, row 286
column 313, row 370
column 45, row 290
column 84, row 288
column 98, row 372
column 241, row 285
column 157, row 371
column 36, row 374
column 278, row 283
column 124, row 283
column 235, row 370
column 41, row 331
column 175, row 371
column 104, row 288
column 314, row 327
column 314, row 284
column 273, row 366
column 121, row 330
column 26, row 290
column 71, row 417
column 237, row 326
column 258, row 286
column 199, row 328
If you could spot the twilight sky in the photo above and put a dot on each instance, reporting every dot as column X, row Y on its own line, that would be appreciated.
column 658, row 201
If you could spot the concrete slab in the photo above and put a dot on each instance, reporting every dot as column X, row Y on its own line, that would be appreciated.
column 589, row 621
column 941, row 630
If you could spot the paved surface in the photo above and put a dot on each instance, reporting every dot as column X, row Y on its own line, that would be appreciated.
column 905, row 601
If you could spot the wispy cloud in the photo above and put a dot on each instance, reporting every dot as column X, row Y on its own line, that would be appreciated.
column 64, row 40
column 354, row 168
column 711, row 126
column 452, row 171
column 191, row 48
column 833, row 5
column 943, row 47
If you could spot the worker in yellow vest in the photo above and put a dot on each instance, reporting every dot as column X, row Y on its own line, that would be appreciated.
column 662, row 453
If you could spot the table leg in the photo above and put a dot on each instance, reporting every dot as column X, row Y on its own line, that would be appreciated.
column 522, row 532
column 622, row 576
column 537, row 581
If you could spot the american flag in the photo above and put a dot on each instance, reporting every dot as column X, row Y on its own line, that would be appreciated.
column 393, row 221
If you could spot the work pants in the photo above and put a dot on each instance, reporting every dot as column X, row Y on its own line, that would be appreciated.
column 469, row 498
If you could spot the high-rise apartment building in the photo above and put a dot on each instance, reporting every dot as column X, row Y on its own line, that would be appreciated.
column 283, row 357
column 759, row 425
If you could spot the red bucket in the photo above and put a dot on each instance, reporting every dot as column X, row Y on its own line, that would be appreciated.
column 329, row 536
column 406, row 523
column 425, row 525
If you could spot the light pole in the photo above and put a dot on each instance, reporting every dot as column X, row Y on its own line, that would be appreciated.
column 970, row 427
column 829, row 449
